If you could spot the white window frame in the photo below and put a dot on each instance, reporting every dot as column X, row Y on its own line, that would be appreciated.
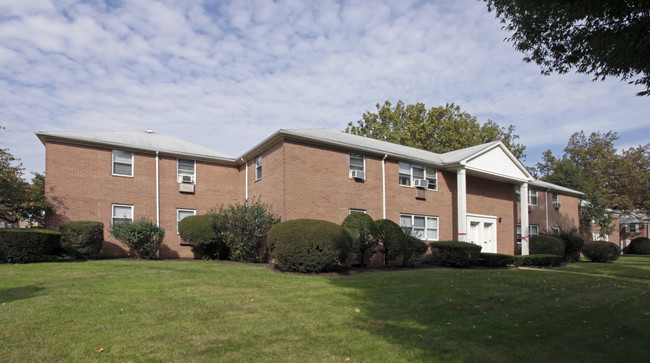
column 426, row 175
column 632, row 228
column 178, row 215
column 427, row 228
column 113, row 163
column 353, row 210
column 258, row 167
column 556, row 230
column 179, row 175
column 354, row 154
column 556, row 197
column 531, row 227
column 518, row 193
column 532, row 193
column 596, row 237
column 113, row 216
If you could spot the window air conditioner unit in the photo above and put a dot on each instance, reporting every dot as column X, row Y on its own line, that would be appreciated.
column 185, row 179
column 421, row 183
column 557, row 205
column 357, row 174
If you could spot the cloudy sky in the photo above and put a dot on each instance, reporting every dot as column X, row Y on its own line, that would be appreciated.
column 227, row 74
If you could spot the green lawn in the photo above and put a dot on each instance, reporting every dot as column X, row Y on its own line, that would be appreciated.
column 117, row 310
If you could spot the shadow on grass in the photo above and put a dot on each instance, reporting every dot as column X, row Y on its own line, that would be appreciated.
column 19, row 293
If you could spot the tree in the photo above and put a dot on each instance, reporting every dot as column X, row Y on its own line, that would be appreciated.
column 439, row 129
column 18, row 199
column 609, row 179
column 599, row 37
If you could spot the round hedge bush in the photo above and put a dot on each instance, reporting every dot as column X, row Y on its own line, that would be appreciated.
column 391, row 237
column 601, row 251
column 199, row 232
column 546, row 244
column 82, row 239
column 640, row 246
column 362, row 230
column 308, row 245
column 573, row 244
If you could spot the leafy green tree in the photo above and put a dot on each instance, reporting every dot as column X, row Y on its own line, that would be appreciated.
column 362, row 230
column 599, row 37
column 438, row 129
column 609, row 179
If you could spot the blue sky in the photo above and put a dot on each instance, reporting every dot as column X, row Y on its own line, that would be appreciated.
column 227, row 74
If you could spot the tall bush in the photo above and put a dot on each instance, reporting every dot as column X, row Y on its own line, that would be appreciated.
column 546, row 244
column 308, row 245
column 142, row 237
column 362, row 230
column 573, row 243
column 244, row 228
column 640, row 246
column 199, row 232
column 82, row 239
column 391, row 238
column 601, row 251
column 411, row 249
column 28, row 245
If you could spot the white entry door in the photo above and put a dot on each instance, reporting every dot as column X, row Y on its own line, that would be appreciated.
column 483, row 232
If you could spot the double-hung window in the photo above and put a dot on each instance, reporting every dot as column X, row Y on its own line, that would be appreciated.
column 122, row 163
column 357, row 165
column 258, row 167
column 532, row 231
column 422, row 227
column 121, row 213
column 182, row 213
column 532, row 195
column 409, row 172
column 186, row 171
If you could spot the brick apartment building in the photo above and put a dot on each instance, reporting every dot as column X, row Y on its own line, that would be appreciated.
column 473, row 194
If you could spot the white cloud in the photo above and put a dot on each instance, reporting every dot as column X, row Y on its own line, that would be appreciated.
column 228, row 74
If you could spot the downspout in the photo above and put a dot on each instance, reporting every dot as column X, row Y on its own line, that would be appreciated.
column 546, row 209
column 383, row 185
column 245, row 181
column 157, row 198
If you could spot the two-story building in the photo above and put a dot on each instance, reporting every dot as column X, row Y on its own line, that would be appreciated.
column 472, row 194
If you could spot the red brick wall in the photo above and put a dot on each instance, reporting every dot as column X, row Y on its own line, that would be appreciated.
column 80, row 185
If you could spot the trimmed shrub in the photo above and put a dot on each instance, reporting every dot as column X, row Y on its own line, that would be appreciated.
column 640, row 246
column 573, row 243
column 82, row 239
column 142, row 237
column 308, row 245
column 362, row 230
column 455, row 253
column 244, row 228
column 391, row 238
column 412, row 249
column 546, row 244
column 28, row 245
column 199, row 232
column 496, row 259
column 539, row 260
column 601, row 251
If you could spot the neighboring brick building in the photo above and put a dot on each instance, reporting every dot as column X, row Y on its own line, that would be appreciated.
column 633, row 225
column 468, row 195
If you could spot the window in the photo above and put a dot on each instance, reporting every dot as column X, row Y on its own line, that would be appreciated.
column 122, row 163
column 632, row 228
column 409, row 172
column 532, row 231
column 186, row 170
column 422, row 227
column 357, row 162
column 258, row 167
column 556, row 231
column 182, row 213
column 555, row 197
column 357, row 211
column 122, row 213
column 532, row 196
column 596, row 236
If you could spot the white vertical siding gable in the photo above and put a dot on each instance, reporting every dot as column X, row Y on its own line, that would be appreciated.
column 496, row 161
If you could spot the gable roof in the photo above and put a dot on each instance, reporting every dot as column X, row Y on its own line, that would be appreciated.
column 546, row 185
column 144, row 140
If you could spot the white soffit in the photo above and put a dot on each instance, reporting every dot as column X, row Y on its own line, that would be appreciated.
column 496, row 161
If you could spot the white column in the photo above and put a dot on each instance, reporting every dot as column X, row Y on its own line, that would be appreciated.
column 461, row 191
column 525, row 238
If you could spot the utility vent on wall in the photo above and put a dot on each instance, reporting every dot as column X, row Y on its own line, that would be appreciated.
column 186, row 188
column 420, row 194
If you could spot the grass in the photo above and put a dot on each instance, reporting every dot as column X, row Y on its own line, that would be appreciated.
column 116, row 310
column 627, row 266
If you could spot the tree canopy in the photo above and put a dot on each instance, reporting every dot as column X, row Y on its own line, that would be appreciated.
column 599, row 37
column 19, row 199
column 611, row 180
column 438, row 129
